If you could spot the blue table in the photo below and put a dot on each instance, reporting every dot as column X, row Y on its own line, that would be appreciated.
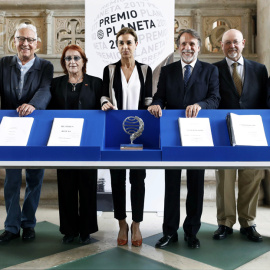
column 103, row 134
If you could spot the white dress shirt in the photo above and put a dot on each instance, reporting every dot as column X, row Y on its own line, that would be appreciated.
column 192, row 64
column 131, row 90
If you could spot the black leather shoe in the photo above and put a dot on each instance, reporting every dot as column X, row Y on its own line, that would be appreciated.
column 251, row 234
column 6, row 236
column 28, row 234
column 222, row 232
column 192, row 241
column 85, row 240
column 68, row 238
column 166, row 239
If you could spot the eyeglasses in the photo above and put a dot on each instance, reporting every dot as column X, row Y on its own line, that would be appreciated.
column 75, row 58
column 235, row 42
column 29, row 40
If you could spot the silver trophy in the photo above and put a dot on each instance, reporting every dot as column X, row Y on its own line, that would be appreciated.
column 133, row 126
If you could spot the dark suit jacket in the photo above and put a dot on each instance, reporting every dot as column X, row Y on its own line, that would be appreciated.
column 89, row 95
column 254, row 93
column 36, row 89
column 202, row 88
column 268, row 93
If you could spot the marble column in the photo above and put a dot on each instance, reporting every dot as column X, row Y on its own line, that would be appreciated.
column 49, row 15
column 263, row 51
column 263, row 32
column 197, row 25
column 247, row 31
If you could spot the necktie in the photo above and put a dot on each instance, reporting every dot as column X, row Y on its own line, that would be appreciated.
column 187, row 74
column 237, row 79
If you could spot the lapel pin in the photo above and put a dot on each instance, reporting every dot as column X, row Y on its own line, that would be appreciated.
column 86, row 84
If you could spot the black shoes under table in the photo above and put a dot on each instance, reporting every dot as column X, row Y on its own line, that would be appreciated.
column 192, row 241
column 250, row 232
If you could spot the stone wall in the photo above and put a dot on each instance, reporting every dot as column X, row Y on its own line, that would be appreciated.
column 58, row 23
column 212, row 18
column 61, row 23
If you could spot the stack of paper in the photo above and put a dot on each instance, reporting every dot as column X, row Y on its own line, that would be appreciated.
column 195, row 132
column 15, row 131
column 246, row 130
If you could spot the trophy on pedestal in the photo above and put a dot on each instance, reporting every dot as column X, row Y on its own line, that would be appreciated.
column 133, row 126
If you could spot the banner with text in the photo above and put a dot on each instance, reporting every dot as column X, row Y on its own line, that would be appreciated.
column 153, row 21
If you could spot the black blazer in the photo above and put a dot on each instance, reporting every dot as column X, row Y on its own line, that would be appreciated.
column 254, row 93
column 146, row 86
column 89, row 95
column 36, row 89
column 202, row 88
column 268, row 93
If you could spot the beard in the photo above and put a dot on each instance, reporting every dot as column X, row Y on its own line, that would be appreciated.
column 188, row 59
column 232, row 54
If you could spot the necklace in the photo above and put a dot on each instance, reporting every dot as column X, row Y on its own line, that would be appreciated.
column 74, row 84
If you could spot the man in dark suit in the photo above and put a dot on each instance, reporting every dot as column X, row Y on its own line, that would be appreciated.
column 24, row 86
column 191, row 85
column 242, row 86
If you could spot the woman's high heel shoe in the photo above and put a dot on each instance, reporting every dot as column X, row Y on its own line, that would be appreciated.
column 122, row 242
column 135, row 243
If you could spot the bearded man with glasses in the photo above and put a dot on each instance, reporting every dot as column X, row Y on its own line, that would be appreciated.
column 242, row 86
column 24, row 86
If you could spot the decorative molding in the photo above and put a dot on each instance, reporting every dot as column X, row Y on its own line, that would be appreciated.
column 181, row 22
column 215, row 34
column 69, row 31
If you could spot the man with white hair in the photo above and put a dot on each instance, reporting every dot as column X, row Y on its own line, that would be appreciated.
column 24, row 86
column 242, row 86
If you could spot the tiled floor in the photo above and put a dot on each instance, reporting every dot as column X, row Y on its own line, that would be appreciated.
column 151, row 225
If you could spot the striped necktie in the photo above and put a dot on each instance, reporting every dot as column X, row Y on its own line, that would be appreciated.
column 237, row 79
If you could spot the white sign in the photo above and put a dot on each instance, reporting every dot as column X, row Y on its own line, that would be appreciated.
column 153, row 21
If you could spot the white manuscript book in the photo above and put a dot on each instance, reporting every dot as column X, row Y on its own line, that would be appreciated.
column 15, row 131
column 246, row 130
column 195, row 132
column 66, row 132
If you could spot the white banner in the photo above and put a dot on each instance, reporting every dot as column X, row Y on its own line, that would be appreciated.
column 153, row 21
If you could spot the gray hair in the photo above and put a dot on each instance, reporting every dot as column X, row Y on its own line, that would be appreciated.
column 28, row 26
column 192, row 32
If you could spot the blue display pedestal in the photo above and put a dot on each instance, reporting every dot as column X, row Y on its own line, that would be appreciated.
column 222, row 150
column 37, row 149
column 115, row 136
